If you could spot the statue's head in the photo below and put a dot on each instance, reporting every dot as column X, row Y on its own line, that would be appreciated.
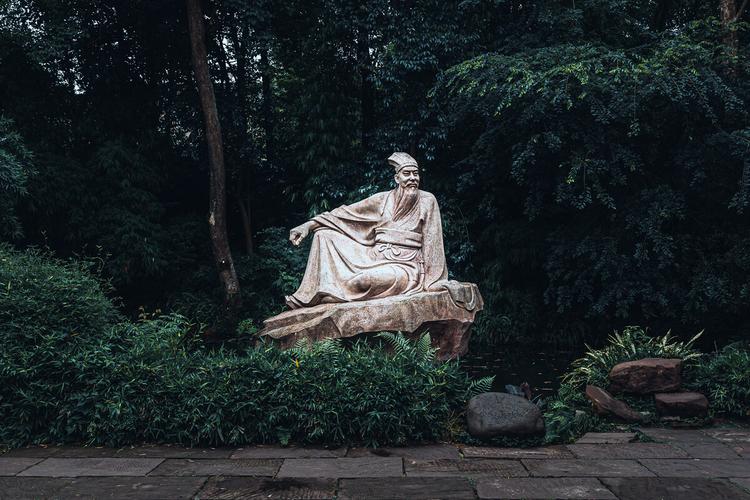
column 406, row 171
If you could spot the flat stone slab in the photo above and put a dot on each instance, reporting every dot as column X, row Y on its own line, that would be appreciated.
column 698, row 467
column 31, row 488
column 586, row 468
column 464, row 468
column 405, row 487
column 607, row 438
column 676, row 435
column 75, row 467
column 429, row 452
column 133, row 488
column 165, row 451
column 32, row 452
column 708, row 450
column 542, row 487
column 737, row 439
column 516, row 453
column 342, row 467
column 729, row 434
column 287, row 452
column 742, row 482
column 682, row 489
column 217, row 467
column 12, row 466
column 630, row 450
column 447, row 322
column 240, row 488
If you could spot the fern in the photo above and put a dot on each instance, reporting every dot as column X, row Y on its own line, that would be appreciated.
column 424, row 348
column 400, row 343
column 479, row 386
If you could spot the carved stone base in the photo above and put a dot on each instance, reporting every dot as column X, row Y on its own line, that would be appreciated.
column 447, row 322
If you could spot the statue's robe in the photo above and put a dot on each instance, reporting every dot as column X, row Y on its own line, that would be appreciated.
column 360, row 252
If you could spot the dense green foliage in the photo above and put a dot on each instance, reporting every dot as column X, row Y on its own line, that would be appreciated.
column 569, row 414
column 72, row 371
column 590, row 157
column 724, row 377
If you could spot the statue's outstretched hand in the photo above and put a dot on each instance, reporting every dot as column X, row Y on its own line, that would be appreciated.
column 299, row 233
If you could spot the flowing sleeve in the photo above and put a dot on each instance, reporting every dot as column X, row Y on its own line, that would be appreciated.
column 435, row 268
column 358, row 220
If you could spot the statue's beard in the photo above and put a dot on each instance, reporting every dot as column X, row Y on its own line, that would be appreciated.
column 406, row 200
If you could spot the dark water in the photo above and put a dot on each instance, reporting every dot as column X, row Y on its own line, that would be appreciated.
column 514, row 365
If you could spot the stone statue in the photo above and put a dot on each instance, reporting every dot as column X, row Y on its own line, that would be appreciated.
column 384, row 257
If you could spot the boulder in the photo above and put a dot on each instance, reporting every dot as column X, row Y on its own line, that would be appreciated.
column 447, row 321
column 498, row 413
column 681, row 404
column 605, row 404
column 647, row 375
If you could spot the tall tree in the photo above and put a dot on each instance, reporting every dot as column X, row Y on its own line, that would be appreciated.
column 217, row 178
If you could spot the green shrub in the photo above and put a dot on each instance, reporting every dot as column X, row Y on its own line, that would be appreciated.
column 633, row 343
column 50, row 312
column 148, row 381
column 724, row 377
column 274, row 271
column 43, row 296
column 569, row 413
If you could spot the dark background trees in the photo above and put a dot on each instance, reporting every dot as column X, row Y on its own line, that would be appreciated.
column 591, row 158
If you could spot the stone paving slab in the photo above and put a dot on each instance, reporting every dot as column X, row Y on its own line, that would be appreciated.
column 630, row 450
column 673, row 488
column 737, row 439
column 708, row 450
column 32, row 452
column 464, row 468
column 729, row 434
column 742, row 482
column 405, row 488
column 606, row 438
column 12, row 466
column 586, row 468
column 429, row 452
column 287, row 452
column 132, row 488
column 75, row 467
column 342, row 467
column 543, row 487
column 698, row 467
column 30, row 488
column 676, row 435
column 240, row 488
column 163, row 451
column 217, row 467
column 515, row 453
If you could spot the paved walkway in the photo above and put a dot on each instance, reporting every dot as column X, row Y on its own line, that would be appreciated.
column 685, row 464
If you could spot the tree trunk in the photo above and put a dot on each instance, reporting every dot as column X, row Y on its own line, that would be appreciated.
column 217, row 179
column 245, row 174
column 728, row 14
column 247, row 226
column 267, row 102
column 366, row 93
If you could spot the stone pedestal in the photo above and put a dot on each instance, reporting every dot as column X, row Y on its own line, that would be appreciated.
column 447, row 321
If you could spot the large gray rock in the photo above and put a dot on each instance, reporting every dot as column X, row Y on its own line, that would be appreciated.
column 497, row 413
column 447, row 321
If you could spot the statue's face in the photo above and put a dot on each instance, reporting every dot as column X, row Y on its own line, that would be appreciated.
column 408, row 178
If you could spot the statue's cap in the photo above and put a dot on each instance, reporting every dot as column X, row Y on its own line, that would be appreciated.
column 400, row 160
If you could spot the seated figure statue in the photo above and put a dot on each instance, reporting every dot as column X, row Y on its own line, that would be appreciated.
column 377, row 265
column 388, row 244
